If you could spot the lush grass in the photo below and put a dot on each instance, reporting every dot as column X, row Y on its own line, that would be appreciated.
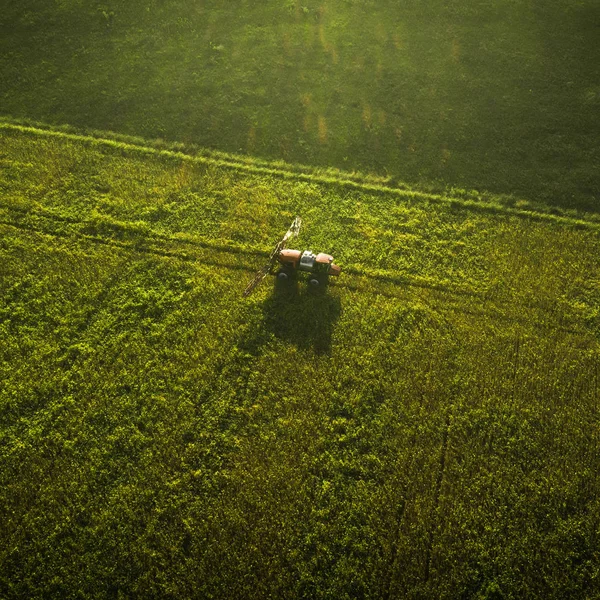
column 426, row 428
column 500, row 96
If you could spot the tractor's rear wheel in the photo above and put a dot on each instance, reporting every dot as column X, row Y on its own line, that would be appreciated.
column 284, row 275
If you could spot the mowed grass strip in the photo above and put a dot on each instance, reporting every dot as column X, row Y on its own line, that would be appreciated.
column 428, row 435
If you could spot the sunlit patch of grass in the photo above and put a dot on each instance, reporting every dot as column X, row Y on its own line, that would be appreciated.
column 334, row 55
column 367, row 115
column 286, row 42
column 322, row 125
column 445, row 156
column 185, row 177
column 398, row 39
column 311, row 35
column 323, row 38
column 456, row 50
column 358, row 62
column 251, row 140
column 307, row 122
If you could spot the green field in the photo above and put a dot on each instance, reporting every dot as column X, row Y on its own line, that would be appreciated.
column 498, row 96
column 426, row 428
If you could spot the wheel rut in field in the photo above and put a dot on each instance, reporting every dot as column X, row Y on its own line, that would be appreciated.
column 238, row 258
column 436, row 521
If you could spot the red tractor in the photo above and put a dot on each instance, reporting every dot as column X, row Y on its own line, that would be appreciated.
column 318, row 266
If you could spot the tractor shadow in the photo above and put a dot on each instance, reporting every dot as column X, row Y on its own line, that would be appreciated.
column 301, row 315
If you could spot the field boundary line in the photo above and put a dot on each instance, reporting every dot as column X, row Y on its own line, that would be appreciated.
column 305, row 174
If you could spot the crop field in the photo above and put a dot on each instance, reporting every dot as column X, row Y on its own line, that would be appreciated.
column 427, row 427
column 493, row 95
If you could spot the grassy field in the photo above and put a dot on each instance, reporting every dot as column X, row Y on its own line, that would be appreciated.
column 428, row 427
column 493, row 96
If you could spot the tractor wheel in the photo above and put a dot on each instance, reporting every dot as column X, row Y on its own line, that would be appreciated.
column 314, row 282
column 284, row 275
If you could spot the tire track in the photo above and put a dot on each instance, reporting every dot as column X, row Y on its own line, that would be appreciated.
column 389, row 579
column 143, row 242
column 137, row 247
column 438, row 487
column 122, row 226
column 205, row 253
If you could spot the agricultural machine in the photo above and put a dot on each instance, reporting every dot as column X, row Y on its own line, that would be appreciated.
column 319, row 267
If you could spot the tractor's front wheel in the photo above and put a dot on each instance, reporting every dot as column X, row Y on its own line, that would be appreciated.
column 318, row 282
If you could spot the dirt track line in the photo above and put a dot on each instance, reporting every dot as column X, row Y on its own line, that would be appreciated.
column 388, row 584
column 146, row 247
column 438, row 488
column 137, row 248
column 238, row 164
column 148, row 240
column 154, row 236
column 389, row 576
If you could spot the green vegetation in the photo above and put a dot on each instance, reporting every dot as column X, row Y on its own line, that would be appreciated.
column 426, row 428
column 499, row 95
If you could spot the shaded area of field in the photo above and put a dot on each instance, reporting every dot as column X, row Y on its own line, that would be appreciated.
column 429, row 435
column 498, row 96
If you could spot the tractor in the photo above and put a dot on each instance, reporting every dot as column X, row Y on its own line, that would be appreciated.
column 319, row 267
